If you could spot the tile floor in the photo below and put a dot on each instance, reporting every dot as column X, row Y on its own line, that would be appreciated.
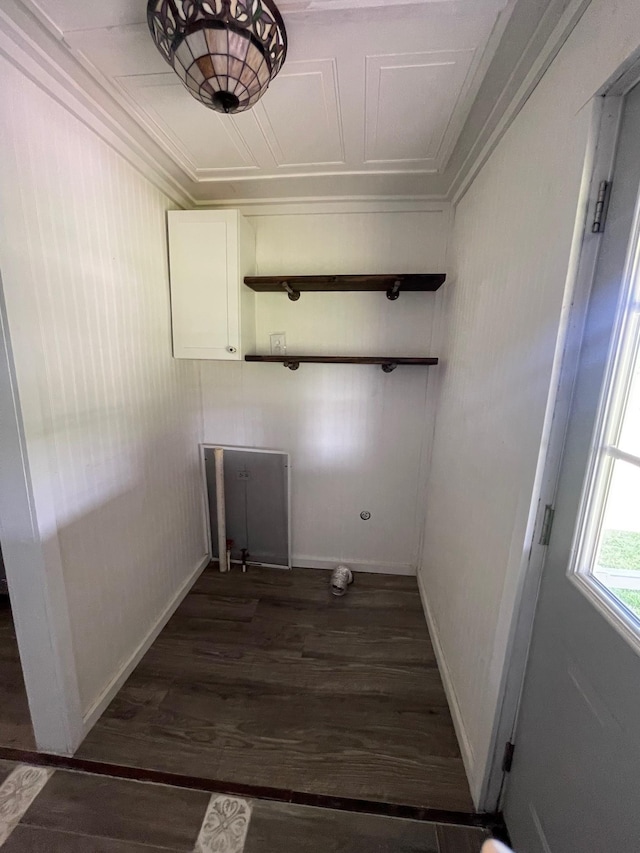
column 68, row 812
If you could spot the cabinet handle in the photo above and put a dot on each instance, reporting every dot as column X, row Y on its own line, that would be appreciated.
column 232, row 349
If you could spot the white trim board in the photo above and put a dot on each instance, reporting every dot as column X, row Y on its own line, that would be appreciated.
column 474, row 161
column 311, row 207
column 598, row 162
column 95, row 711
column 33, row 564
column 449, row 689
column 302, row 562
column 370, row 203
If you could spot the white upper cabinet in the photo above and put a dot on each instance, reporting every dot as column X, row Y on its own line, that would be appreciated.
column 212, row 310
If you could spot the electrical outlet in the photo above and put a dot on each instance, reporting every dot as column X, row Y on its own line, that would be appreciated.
column 278, row 343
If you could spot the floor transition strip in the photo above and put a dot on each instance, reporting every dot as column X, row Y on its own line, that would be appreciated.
column 282, row 795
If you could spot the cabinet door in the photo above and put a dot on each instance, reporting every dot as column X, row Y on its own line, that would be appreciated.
column 203, row 262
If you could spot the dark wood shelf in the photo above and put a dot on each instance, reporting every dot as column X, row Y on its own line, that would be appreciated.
column 388, row 363
column 294, row 285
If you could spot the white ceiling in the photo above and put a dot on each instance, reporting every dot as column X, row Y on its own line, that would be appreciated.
column 371, row 100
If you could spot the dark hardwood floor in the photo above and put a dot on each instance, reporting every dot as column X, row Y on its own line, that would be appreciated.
column 15, row 720
column 267, row 679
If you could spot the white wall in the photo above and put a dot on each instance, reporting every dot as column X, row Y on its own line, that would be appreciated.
column 511, row 254
column 111, row 421
column 359, row 439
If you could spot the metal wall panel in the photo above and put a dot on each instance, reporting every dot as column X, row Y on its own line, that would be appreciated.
column 256, row 496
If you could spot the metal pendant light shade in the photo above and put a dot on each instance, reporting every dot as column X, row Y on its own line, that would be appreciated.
column 226, row 52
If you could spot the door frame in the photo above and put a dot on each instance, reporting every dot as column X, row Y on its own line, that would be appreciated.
column 606, row 111
column 33, row 567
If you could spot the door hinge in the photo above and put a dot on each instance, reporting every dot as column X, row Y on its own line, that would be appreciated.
column 602, row 206
column 547, row 524
column 507, row 758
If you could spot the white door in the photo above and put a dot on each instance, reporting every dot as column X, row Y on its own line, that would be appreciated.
column 575, row 780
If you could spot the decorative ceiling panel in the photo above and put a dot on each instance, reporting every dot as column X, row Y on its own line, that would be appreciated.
column 118, row 51
column 410, row 99
column 365, row 89
column 372, row 99
column 301, row 117
column 197, row 134
column 69, row 15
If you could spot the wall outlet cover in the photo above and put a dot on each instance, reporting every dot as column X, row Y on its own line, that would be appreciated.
column 278, row 343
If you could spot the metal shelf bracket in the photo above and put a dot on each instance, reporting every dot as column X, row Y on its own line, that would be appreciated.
column 293, row 295
column 394, row 292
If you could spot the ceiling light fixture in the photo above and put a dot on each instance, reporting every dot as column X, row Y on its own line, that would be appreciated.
column 226, row 52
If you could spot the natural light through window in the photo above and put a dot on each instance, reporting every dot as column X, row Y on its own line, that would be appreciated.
column 610, row 551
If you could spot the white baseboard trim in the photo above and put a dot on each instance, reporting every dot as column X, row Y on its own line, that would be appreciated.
column 454, row 706
column 302, row 562
column 95, row 711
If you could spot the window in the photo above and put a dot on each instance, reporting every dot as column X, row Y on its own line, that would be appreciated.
column 608, row 554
